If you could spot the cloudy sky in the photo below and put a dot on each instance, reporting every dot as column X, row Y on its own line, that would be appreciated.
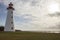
column 33, row 15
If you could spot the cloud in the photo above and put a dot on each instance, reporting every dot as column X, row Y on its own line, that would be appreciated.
column 57, row 14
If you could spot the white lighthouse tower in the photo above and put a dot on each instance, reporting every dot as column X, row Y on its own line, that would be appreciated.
column 9, row 26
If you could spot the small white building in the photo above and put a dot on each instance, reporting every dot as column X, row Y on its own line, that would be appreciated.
column 9, row 25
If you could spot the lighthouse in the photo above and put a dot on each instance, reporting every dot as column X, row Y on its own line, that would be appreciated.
column 9, row 25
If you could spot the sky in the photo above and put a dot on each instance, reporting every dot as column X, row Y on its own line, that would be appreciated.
column 33, row 15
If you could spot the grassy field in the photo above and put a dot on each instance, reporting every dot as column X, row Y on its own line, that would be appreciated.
column 28, row 36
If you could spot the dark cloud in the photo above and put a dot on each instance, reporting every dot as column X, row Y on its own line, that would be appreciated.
column 33, row 3
column 57, row 14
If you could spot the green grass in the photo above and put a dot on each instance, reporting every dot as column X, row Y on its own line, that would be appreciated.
column 28, row 36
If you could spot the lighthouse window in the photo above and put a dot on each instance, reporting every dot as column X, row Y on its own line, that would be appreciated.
column 11, row 16
column 11, row 22
column 12, row 28
column 11, row 12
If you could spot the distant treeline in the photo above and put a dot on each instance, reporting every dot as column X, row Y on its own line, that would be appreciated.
column 1, row 28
